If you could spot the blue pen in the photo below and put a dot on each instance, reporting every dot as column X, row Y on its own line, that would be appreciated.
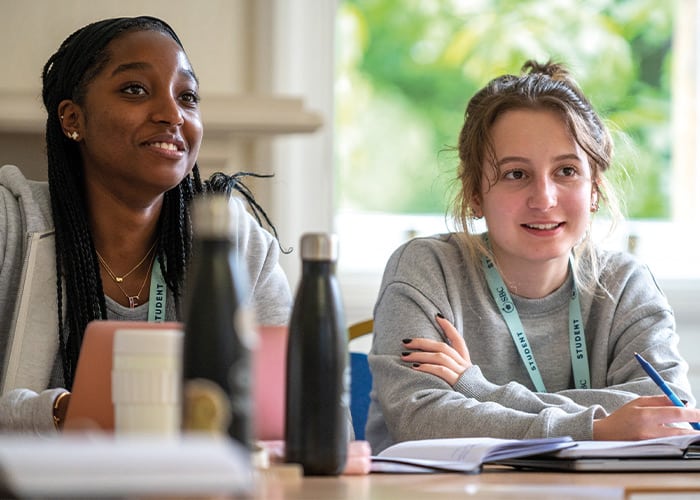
column 662, row 385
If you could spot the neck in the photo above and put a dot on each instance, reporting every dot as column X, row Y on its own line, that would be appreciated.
column 122, row 232
column 123, row 235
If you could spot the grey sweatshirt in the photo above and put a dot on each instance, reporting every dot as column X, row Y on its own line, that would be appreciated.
column 495, row 397
column 28, row 298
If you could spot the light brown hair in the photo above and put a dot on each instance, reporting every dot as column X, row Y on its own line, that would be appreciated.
column 540, row 86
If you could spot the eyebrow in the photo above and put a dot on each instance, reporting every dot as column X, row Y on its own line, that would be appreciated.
column 142, row 66
column 521, row 159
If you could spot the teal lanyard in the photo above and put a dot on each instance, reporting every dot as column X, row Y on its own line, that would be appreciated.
column 577, row 337
column 158, row 296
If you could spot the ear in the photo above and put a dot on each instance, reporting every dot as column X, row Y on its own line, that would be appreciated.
column 69, row 115
column 475, row 207
column 594, row 199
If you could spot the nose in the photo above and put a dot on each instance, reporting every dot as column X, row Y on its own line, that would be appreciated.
column 167, row 110
column 543, row 195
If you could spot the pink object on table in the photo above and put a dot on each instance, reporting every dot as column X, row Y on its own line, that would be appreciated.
column 358, row 462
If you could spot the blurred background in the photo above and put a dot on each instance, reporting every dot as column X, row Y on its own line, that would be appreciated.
column 355, row 106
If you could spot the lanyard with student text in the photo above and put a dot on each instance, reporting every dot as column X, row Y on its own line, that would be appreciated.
column 157, row 297
column 577, row 337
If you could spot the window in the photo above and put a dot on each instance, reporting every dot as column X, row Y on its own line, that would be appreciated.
column 406, row 71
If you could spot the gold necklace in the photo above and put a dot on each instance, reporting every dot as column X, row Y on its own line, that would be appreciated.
column 134, row 300
column 120, row 279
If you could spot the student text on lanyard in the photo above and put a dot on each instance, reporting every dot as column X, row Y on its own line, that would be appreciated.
column 577, row 337
column 157, row 296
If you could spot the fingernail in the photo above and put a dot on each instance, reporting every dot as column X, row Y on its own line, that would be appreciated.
column 405, row 353
column 406, row 341
column 439, row 315
column 416, row 365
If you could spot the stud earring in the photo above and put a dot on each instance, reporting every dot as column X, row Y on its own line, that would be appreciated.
column 74, row 135
column 473, row 214
column 594, row 207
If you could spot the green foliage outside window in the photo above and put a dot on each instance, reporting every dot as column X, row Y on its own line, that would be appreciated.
column 408, row 67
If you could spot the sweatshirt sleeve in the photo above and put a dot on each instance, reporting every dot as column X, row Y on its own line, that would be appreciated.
column 22, row 410
column 268, row 285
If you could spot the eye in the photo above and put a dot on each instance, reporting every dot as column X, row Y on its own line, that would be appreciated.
column 567, row 171
column 514, row 175
column 190, row 97
column 134, row 89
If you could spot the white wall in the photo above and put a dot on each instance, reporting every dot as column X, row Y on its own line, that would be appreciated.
column 215, row 33
column 301, row 55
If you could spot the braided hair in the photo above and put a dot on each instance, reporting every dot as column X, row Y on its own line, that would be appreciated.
column 79, row 294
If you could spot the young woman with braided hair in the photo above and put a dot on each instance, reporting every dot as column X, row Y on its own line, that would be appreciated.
column 112, row 224
column 527, row 330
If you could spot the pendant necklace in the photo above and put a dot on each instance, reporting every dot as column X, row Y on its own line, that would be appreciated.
column 134, row 300
column 120, row 279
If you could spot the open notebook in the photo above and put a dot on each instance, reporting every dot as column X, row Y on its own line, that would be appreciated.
column 91, row 402
column 466, row 455
column 676, row 453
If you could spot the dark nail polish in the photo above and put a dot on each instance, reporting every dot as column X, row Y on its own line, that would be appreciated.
column 405, row 353
column 439, row 315
column 684, row 401
column 416, row 365
column 406, row 341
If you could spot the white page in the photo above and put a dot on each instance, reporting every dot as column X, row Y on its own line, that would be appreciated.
column 471, row 451
column 667, row 446
column 468, row 450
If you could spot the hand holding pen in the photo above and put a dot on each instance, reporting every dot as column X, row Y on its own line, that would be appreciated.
column 654, row 375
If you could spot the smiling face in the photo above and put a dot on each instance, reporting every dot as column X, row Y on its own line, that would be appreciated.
column 139, row 125
column 537, row 204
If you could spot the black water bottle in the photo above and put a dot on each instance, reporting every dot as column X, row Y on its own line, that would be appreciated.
column 219, row 331
column 316, row 426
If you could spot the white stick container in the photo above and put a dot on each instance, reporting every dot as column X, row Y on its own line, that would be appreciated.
column 146, row 381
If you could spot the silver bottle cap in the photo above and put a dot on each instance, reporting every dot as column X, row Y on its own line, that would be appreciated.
column 212, row 217
column 319, row 246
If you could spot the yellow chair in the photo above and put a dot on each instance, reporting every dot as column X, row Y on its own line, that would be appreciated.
column 360, row 328
column 360, row 379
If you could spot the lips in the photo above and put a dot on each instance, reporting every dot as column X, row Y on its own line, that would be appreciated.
column 544, row 226
column 168, row 146
column 165, row 142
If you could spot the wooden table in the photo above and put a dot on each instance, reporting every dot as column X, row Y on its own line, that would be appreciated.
column 285, row 482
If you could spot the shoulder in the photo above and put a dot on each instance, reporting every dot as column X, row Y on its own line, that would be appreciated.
column 261, row 248
column 29, row 197
column 12, row 180
column 439, row 248
column 620, row 267
column 427, row 261
column 626, row 277
column 247, row 226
